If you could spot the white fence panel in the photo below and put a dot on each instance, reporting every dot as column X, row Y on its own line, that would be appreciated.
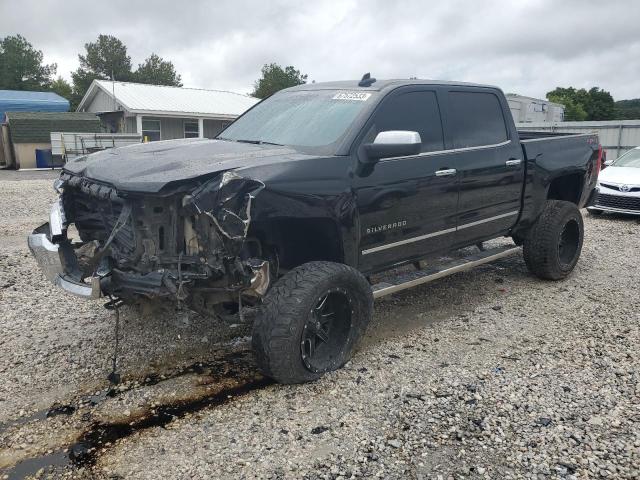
column 616, row 136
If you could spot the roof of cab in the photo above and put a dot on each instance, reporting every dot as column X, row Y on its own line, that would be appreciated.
column 379, row 85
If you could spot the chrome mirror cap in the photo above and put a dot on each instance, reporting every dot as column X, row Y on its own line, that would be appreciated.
column 398, row 137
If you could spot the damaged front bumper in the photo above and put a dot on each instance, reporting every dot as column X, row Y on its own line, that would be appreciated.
column 153, row 248
column 56, row 260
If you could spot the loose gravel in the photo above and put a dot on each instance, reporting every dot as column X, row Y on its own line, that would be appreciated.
column 486, row 374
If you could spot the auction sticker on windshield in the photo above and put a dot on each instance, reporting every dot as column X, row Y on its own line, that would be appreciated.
column 357, row 96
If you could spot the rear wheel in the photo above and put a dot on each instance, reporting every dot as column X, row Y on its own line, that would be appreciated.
column 553, row 246
column 311, row 321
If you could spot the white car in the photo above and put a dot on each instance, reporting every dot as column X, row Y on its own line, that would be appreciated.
column 618, row 188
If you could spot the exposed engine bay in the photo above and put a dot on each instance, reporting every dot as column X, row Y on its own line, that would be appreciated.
column 191, row 245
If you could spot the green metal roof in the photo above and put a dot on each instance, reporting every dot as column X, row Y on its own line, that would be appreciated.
column 36, row 127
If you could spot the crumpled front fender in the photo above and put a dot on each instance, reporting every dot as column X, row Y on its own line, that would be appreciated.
column 227, row 201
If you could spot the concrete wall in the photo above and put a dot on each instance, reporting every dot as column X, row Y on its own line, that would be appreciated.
column 25, row 153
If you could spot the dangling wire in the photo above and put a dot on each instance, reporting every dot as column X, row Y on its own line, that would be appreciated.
column 240, row 314
column 180, row 293
column 114, row 377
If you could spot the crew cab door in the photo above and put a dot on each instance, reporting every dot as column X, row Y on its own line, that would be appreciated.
column 406, row 205
column 489, row 161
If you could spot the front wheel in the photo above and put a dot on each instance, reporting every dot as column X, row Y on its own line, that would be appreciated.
column 311, row 321
column 553, row 245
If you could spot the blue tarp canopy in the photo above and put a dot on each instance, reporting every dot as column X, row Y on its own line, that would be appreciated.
column 23, row 101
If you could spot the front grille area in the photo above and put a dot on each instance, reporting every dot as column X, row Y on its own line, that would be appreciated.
column 95, row 218
column 617, row 187
column 615, row 201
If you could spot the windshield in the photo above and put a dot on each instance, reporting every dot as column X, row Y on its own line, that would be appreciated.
column 317, row 118
column 629, row 159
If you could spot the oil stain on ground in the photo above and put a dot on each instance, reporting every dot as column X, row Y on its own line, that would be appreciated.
column 99, row 436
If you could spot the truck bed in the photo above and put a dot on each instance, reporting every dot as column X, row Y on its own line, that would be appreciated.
column 553, row 151
column 548, row 156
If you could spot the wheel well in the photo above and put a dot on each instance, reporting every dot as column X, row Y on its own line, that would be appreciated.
column 300, row 240
column 567, row 187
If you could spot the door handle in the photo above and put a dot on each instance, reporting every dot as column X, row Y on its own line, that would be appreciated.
column 446, row 172
column 513, row 162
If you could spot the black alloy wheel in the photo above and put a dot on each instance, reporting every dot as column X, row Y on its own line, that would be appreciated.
column 569, row 243
column 311, row 320
column 327, row 331
column 553, row 244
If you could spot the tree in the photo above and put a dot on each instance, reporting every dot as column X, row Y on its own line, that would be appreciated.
column 107, row 57
column 573, row 112
column 275, row 78
column 573, row 109
column 62, row 88
column 572, row 100
column 21, row 66
column 104, row 59
column 628, row 109
column 601, row 105
column 157, row 71
column 594, row 104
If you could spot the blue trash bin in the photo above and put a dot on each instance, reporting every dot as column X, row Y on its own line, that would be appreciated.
column 44, row 158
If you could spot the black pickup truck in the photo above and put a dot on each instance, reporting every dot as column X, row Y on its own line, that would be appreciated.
column 300, row 200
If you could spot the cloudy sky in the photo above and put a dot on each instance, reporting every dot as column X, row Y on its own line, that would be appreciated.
column 525, row 46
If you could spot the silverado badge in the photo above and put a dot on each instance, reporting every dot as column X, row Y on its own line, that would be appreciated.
column 387, row 226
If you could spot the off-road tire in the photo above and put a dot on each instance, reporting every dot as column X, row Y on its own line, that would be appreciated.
column 541, row 246
column 280, row 321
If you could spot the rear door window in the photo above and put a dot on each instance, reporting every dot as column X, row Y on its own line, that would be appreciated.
column 413, row 111
column 476, row 119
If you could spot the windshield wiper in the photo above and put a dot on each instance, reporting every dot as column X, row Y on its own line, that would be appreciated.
column 254, row 142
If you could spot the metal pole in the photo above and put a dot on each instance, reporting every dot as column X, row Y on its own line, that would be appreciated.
column 139, row 125
column 619, row 140
column 113, row 91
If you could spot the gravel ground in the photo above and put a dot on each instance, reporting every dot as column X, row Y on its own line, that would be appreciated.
column 486, row 374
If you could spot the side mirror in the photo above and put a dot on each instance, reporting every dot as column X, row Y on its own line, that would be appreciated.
column 393, row 143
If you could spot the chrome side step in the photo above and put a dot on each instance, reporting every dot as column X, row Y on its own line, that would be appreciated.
column 413, row 279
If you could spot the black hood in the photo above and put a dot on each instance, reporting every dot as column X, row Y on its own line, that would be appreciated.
column 149, row 167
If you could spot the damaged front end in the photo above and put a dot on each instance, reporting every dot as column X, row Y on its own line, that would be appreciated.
column 191, row 245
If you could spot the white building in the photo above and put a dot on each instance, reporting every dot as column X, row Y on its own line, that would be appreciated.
column 162, row 112
column 528, row 109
